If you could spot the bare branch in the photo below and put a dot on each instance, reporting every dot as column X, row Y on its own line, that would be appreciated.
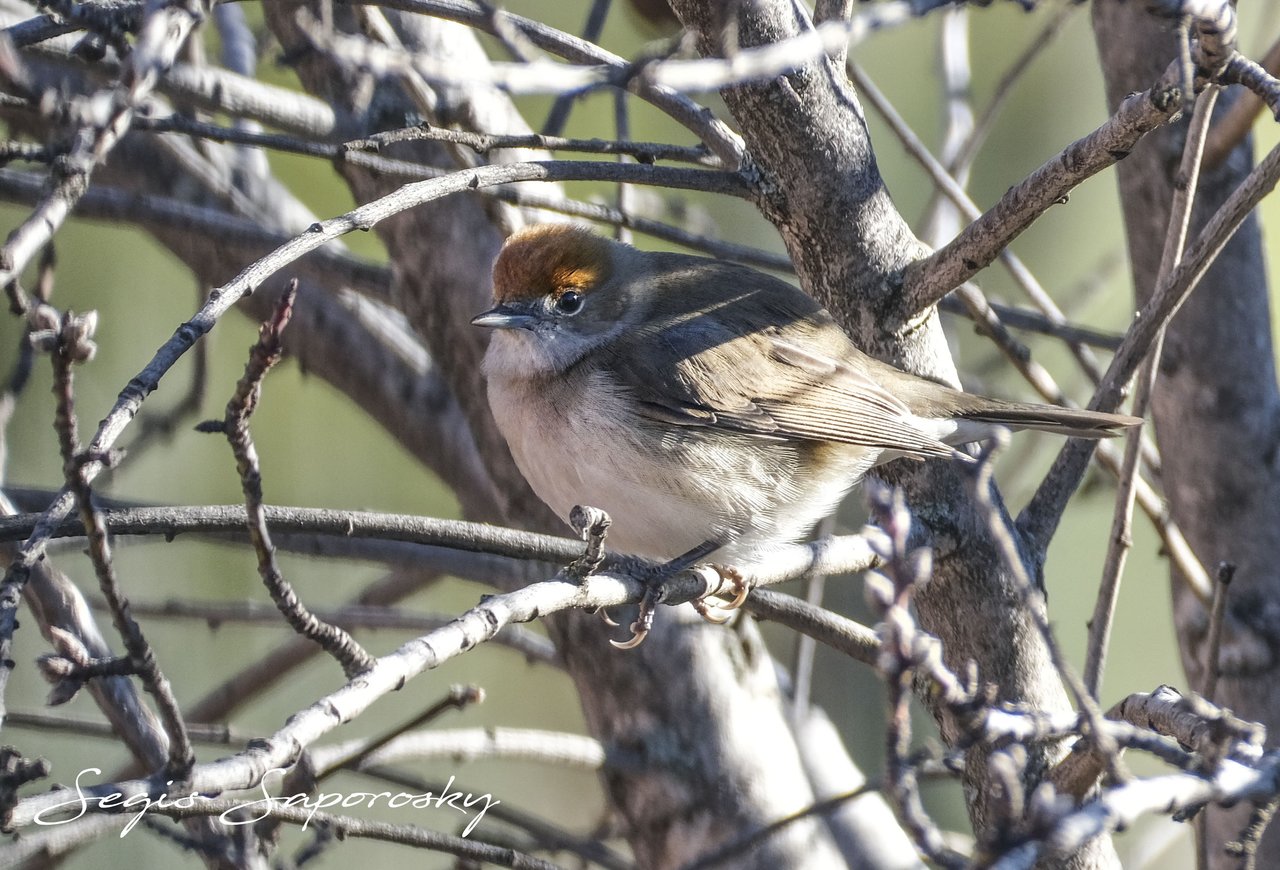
column 928, row 280
column 1217, row 617
column 1230, row 129
column 1122, row 521
column 264, row 354
column 162, row 34
column 534, row 647
column 390, row 672
column 1042, row 513
column 347, row 826
column 851, row 638
column 714, row 133
column 466, row 745
column 68, row 339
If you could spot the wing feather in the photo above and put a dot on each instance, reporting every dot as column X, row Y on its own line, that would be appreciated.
column 807, row 382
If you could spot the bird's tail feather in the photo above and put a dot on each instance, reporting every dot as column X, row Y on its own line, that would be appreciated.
column 1073, row 422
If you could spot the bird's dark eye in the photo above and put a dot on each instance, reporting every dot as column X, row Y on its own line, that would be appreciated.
column 569, row 302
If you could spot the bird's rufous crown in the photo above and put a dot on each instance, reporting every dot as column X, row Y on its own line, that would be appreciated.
column 550, row 258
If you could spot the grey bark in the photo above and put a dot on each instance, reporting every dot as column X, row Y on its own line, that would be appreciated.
column 1215, row 405
column 808, row 137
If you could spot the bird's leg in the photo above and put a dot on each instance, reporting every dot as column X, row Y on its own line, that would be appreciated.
column 592, row 526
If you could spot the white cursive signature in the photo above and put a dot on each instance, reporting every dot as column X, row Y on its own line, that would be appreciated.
column 244, row 813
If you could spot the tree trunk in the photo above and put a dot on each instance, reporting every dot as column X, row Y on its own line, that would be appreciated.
column 807, row 134
column 701, row 752
column 1215, row 404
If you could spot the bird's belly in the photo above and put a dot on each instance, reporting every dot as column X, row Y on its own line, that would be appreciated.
column 668, row 488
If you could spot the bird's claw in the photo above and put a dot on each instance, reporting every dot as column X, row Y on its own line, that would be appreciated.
column 713, row 613
column 740, row 588
column 644, row 618
column 637, row 637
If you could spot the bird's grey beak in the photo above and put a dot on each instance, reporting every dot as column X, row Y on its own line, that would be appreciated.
column 505, row 316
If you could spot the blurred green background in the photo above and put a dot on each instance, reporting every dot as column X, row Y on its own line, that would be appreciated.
column 302, row 422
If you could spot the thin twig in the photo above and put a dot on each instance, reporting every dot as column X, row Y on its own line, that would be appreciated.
column 264, row 354
column 162, row 34
column 971, row 296
column 564, row 103
column 715, row 134
column 111, row 21
column 926, row 281
column 162, row 425
column 960, row 165
column 1245, row 847
column 1116, row 808
column 839, row 554
column 546, row 836
column 256, row 678
column 1217, row 618
column 481, row 143
column 806, row 647
column 17, row 771
column 68, row 338
column 534, row 647
column 220, row 735
column 1230, row 128
column 838, row 632
column 171, row 522
column 1033, row 603
column 890, row 589
column 457, row 698
column 1041, row 516
column 1174, row 544
column 735, row 849
column 624, row 196
column 1241, row 70
column 941, row 220
column 1034, row 321
column 347, row 826
column 1122, row 520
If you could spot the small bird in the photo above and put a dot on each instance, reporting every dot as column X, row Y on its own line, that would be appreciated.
column 702, row 404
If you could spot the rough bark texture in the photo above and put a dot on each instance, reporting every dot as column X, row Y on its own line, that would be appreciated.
column 1216, row 406
column 807, row 135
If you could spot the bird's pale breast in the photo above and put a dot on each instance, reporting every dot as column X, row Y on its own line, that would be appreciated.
column 668, row 488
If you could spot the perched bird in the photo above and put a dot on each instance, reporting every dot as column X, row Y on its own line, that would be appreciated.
column 700, row 402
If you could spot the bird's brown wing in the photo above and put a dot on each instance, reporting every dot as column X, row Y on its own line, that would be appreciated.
column 804, row 382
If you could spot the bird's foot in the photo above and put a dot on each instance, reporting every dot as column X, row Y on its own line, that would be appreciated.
column 709, row 607
column 712, row 607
